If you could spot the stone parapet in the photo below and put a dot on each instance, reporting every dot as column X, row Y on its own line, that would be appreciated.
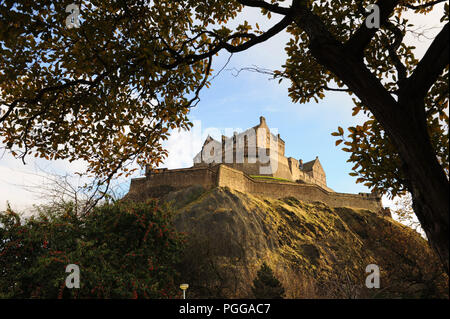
column 220, row 175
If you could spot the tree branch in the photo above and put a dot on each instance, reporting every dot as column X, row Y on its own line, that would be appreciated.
column 45, row 90
column 431, row 66
column 327, row 88
column 392, row 50
column 362, row 37
column 423, row 6
column 192, row 58
column 275, row 8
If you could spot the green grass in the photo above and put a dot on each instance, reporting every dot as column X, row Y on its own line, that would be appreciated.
column 271, row 178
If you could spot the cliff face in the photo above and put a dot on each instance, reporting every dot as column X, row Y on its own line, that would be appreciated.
column 314, row 250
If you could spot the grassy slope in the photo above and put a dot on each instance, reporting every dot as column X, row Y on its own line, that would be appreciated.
column 314, row 250
column 271, row 178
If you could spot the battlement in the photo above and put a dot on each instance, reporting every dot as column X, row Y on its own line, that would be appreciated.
column 220, row 175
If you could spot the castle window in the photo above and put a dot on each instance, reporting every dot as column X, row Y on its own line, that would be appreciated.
column 245, row 145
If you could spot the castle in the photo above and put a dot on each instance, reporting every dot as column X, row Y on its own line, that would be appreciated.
column 259, row 152
column 253, row 162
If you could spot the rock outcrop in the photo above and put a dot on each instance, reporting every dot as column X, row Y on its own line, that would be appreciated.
column 314, row 250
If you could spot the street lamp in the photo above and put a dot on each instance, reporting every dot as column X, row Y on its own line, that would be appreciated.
column 184, row 287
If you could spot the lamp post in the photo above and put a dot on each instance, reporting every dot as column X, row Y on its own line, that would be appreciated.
column 184, row 287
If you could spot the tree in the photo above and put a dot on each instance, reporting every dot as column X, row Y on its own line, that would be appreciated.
column 109, row 91
column 266, row 286
column 123, row 251
column 58, row 191
column 405, row 214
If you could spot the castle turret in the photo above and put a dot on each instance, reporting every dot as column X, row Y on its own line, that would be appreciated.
column 262, row 121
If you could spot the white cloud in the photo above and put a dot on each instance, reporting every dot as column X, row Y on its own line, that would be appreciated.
column 12, row 182
column 182, row 146
column 17, row 179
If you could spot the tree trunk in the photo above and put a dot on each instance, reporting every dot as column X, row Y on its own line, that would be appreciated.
column 406, row 127
column 426, row 179
column 436, row 230
column 405, row 123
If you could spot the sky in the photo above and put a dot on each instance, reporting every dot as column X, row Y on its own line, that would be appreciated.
column 234, row 103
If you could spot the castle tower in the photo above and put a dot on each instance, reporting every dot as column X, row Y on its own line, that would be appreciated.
column 255, row 151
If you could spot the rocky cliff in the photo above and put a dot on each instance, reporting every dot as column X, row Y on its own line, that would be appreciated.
column 314, row 250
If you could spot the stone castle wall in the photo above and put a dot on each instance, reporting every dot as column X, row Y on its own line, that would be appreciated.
column 240, row 181
column 225, row 176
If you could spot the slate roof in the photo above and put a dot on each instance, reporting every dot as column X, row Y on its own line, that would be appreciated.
column 309, row 165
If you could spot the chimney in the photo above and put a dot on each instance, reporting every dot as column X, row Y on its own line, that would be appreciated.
column 262, row 120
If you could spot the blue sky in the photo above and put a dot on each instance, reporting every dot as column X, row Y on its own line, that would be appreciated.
column 237, row 103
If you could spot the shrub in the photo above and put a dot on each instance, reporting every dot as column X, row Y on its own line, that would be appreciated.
column 125, row 250
column 266, row 286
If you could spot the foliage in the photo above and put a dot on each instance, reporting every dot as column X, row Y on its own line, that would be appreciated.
column 405, row 213
column 106, row 93
column 123, row 251
column 110, row 91
column 202, row 266
column 376, row 160
column 58, row 191
column 266, row 286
